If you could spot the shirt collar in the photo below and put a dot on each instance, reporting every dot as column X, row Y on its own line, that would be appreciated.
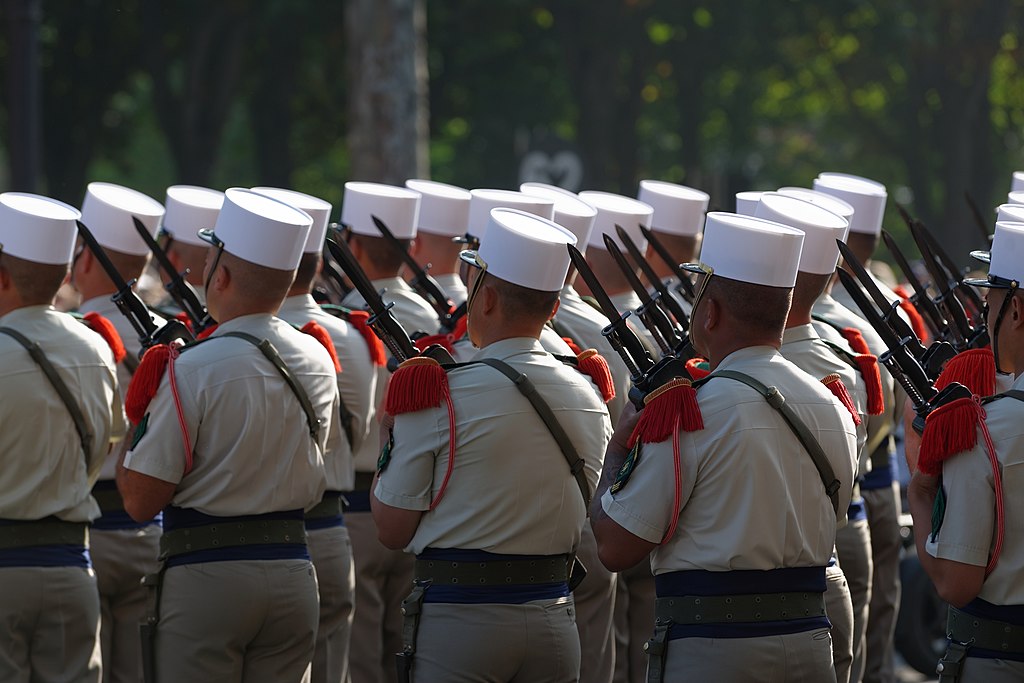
column 512, row 346
column 799, row 333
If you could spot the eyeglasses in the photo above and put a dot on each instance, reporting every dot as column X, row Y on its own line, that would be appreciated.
column 707, row 271
column 472, row 258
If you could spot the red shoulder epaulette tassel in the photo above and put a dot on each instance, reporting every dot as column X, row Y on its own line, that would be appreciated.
column 146, row 381
column 672, row 404
column 317, row 331
column 418, row 383
column 834, row 383
column 103, row 327
column 207, row 332
column 444, row 340
column 867, row 364
column 855, row 339
column 916, row 321
column 974, row 368
column 698, row 368
column 949, row 429
column 591, row 363
column 373, row 343
column 573, row 346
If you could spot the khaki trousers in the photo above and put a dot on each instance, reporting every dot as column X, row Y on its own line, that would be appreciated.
column 853, row 544
column 792, row 658
column 383, row 579
column 49, row 625
column 245, row 620
column 121, row 558
column 595, row 598
column 535, row 642
column 883, row 507
column 976, row 670
column 634, row 622
column 839, row 608
column 331, row 551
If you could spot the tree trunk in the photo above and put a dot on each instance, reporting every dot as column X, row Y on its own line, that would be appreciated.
column 388, row 107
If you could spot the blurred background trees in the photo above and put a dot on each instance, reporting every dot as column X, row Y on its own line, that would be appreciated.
column 926, row 96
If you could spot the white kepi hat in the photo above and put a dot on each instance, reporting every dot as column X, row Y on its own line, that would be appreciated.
column 444, row 208
column 108, row 210
column 616, row 209
column 1016, row 197
column 260, row 229
column 37, row 229
column 318, row 209
column 821, row 229
column 1005, row 259
column 749, row 249
column 1017, row 183
column 678, row 210
column 524, row 249
column 571, row 212
column 483, row 200
column 867, row 198
column 1010, row 213
column 189, row 210
column 828, row 202
column 746, row 202
column 397, row 207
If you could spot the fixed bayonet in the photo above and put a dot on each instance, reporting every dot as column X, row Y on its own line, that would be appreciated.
column 685, row 286
column 178, row 287
column 920, row 298
column 665, row 298
column 649, row 313
column 131, row 306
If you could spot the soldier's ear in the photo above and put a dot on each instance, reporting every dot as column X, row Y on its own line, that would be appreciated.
column 554, row 309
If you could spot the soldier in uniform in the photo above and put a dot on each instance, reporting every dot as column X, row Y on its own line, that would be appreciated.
column 190, row 209
column 61, row 410
column 478, row 482
column 123, row 549
column 444, row 216
column 231, row 447
column 328, row 538
column 739, row 553
column 966, row 505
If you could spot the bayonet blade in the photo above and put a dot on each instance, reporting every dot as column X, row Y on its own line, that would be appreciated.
column 666, row 299
column 663, row 253
column 649, row 313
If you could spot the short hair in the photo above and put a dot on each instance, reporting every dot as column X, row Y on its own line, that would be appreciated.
column 383, row 255
column 809, row 287
column 36, row 283
column 309, row 265
column 264, row 286
column 523, row 303
column 760, row 308
column 128, row 265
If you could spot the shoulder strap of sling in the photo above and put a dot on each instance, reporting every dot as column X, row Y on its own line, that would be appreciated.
column 777, row 401
column 66, row 397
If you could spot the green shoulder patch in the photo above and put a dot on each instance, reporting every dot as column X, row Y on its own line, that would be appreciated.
column 626, row 471
column 385, row 452
column 140, row 431
column 938, row 512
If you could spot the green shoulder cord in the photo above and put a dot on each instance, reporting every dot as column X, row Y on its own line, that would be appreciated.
column 66, row 397
column 777, row 401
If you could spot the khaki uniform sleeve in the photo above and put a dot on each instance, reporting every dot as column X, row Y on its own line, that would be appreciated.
column 158, row 446
column 967, row 525
column 420, row 447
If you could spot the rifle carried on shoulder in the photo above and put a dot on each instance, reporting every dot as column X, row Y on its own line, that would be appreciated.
column 178, row 287
column 685, row 286
column 131, row 306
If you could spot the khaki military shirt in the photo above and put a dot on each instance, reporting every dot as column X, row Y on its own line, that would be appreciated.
column 968, row 527
column 583, row 323
column 45, row 471
column 751, row 495
column 453, row 287
column 357, row 382
column 511, row 490
column 463, row 349
column 251, row 447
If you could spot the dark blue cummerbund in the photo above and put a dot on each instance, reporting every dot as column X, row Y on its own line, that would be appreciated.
column 114, row 520
column 44, row 555
column 358, row 501
column 856, row 512
column 330, row 522
column 1011, row 614
column 502, row 595
column 881, row 477
column 743, row 582
column 185, row 518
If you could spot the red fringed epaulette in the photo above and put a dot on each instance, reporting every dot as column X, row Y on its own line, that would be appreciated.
column 317, row 331
column 948, row 430
column 146, row 381
column 672, row 405
column 855, row 339
column 103, row 327
column 207, row 332
column 916, row 321
column 373, row 343
column 444, row 340
column 573, row 346
column 698, row 368
column 974, row 368
column 867, row 364
column 593, row 364
column 834, row 383
column 418, row 383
